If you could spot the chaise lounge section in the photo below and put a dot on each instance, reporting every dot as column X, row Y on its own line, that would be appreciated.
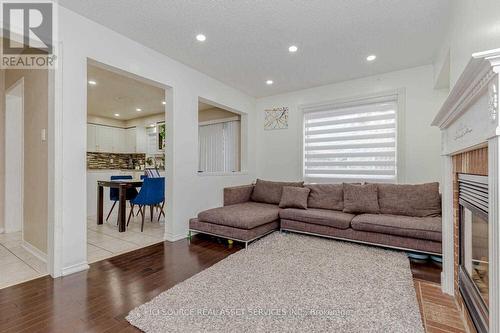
column 406, row 217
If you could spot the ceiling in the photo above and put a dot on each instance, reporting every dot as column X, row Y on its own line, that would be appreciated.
column 114, row 93
column 247, row 41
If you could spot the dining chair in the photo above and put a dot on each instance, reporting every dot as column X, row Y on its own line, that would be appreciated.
column 152, row 173
column 152, row 194
column 114, row 194
column 158, row 207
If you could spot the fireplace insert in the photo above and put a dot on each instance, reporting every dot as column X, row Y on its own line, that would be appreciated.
column 473, row 274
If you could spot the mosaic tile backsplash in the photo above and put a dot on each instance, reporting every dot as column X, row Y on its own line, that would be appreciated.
column 114, row 161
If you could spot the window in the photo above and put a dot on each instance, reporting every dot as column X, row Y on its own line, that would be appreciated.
column 351, row 142
column 219, row 147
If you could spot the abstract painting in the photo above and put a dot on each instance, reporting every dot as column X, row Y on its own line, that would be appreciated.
column 276, row 118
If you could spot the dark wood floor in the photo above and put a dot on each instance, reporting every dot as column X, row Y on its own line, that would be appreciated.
column 98, row 300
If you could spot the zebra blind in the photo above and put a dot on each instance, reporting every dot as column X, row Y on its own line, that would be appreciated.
column 351, row 143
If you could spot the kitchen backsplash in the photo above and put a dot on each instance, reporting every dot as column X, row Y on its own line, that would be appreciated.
column 114, row 161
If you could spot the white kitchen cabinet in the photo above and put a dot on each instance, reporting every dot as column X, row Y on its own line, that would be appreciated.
column 119, row 143
column 91, row 138
column 109, row 139
column 141, row 140
column 131, row 140
column 104, row 139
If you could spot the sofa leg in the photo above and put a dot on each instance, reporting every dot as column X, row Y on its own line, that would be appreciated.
column 189, row 236
column 246, row 246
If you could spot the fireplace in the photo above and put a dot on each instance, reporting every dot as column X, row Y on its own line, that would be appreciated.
column 469, row 120
column 474, row 251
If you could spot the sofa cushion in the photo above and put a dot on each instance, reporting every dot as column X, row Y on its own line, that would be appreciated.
column 294, row 197
column 361, row 198
column 331, row 218
column 410, row 200
column 428, row 228
column 246, row 215
column 326, row 196
column 270, row 192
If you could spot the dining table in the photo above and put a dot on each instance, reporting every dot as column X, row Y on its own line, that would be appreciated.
column 122, row 185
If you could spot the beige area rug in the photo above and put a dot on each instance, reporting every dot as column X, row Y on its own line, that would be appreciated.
column 291, row 283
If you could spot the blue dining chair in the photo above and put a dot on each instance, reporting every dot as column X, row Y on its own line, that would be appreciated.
column 152, row 194
column 114, row 194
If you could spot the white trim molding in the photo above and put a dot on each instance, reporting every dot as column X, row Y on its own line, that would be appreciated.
column 447, row 275
column 494, row 233
column 469, row 119
column 173, row 238
column 34, row 251
column 75, row 268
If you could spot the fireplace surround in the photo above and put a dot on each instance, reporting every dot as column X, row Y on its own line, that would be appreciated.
column 470, row 144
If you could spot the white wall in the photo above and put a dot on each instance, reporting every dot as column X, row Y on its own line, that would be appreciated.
column 279, row 152
column 474, row 27
column 187, row 192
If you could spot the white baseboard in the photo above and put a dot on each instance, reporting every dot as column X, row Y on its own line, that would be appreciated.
column 173, row 238
column 75, row 268
column 34, row 251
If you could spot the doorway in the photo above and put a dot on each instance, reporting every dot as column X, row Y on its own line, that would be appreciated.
column 126, row 140
column 24, row 241
column 14, row 153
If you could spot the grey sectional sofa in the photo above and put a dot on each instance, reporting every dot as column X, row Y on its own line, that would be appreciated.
column 405, row 217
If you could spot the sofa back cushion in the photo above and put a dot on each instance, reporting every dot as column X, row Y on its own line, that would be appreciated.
column 326, row 196
column 361, row 199
column 294, row 197
column 270, row 192
column 421, row 200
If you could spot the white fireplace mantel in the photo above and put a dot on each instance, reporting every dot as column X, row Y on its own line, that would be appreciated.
column 469, row 118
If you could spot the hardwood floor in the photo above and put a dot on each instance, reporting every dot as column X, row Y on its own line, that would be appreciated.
column 439, row 311
column 99, row 299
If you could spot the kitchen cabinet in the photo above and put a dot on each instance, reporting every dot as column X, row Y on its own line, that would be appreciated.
column 119, row 144
column 104, row 139
column 108, row 139
column 91, row 137
column 131, row 140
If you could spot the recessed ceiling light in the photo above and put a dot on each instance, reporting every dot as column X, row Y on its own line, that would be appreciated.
column 201, row 37
column 293, row 49
column 117, row 114
column 269, row 82
column 164, row 103
column 138, row 109
column 371, row 57
column 92, row 82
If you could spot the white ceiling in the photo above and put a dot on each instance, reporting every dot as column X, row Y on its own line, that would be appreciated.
column 115, row 93
column 247, row 40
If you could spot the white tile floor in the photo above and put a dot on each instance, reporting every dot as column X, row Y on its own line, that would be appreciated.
column 104, row 241
column 17, row 264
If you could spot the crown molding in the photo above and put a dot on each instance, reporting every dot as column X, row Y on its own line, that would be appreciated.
column 476, row 77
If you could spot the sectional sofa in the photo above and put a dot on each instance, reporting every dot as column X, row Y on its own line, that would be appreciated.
column 406, row 217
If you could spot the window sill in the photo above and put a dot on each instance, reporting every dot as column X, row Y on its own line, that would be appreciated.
column 222, row 174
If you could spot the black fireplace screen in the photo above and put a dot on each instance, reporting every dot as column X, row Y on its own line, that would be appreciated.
column 474, row 267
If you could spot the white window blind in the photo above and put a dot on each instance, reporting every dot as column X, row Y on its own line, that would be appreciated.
column 351, row 143
column 219, row 147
